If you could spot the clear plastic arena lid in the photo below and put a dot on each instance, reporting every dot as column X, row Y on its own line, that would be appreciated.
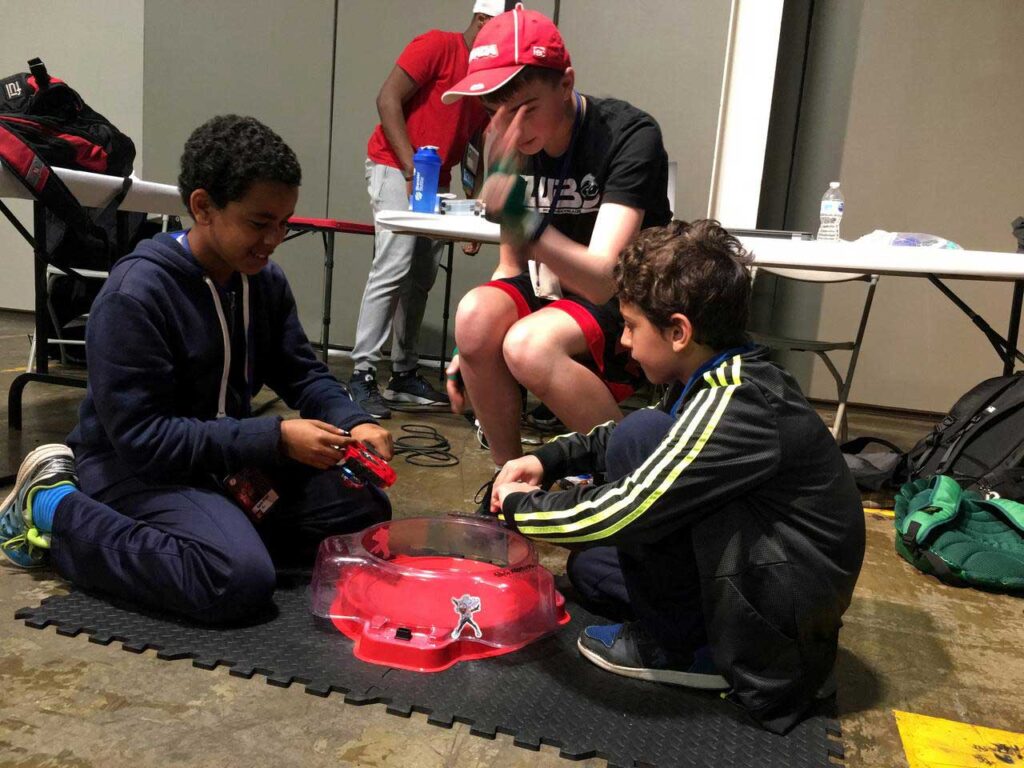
column 425, row 593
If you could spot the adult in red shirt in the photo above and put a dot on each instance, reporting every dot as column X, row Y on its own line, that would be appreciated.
column 404, row 267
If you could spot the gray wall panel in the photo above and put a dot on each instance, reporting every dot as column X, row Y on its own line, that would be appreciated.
column 254, row 57
column 910, row 104
column 666, row 57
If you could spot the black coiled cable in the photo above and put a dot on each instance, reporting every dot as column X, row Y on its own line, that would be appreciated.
column 424, row 446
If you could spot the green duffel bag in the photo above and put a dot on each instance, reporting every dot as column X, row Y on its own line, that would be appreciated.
column 960, row 536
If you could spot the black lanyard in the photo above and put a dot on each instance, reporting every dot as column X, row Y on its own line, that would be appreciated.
column 563, row 170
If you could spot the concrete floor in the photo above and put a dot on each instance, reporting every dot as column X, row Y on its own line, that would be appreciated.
column 909, row 643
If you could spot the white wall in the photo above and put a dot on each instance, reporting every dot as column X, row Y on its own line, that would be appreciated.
column 95, row 47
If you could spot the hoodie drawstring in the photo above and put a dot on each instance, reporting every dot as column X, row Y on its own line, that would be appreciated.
column 223, row 396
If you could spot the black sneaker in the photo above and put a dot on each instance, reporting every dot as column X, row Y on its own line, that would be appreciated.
column 624, row 649
column 363, row 386
column 543, row 419
column 409, row 387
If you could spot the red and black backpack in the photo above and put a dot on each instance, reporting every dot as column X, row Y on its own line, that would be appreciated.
column 50, row 115
column 45, row 123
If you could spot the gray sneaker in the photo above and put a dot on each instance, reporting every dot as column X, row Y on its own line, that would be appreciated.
column 363, row 386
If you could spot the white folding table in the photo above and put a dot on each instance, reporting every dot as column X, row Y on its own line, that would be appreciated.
column 850, row 257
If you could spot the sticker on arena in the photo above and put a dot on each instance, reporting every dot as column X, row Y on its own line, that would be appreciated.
column 465, row 607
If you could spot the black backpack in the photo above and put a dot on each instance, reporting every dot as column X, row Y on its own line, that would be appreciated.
column 980, row 443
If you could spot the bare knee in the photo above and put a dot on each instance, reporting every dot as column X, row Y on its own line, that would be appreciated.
column 531, row 355
column 483, row 317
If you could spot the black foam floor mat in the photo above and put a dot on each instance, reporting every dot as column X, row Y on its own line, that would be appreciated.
column 543, row 694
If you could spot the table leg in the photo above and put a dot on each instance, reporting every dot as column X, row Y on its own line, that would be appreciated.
column 328, row 279
column 444, row 316
column 42, row 312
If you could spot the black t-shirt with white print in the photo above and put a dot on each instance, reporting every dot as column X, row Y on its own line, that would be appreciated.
column 618, row 157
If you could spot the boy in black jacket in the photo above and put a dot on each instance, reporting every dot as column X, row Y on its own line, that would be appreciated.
column 727, row 523
column 185, row 332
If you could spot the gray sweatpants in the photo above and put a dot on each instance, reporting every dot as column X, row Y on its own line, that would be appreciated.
column 403, row 272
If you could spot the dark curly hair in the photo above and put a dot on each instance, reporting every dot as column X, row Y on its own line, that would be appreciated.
column 697, row 269
column 227, row 154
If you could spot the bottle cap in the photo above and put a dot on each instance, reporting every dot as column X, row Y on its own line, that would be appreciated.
column 833, row 184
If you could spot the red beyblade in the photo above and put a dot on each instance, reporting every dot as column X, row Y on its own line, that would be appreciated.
column 359, row 466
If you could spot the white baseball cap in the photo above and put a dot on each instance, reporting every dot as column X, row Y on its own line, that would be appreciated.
column 489, row 7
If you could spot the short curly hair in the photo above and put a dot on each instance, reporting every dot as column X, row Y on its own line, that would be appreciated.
column 697, row 269
column 227, row 154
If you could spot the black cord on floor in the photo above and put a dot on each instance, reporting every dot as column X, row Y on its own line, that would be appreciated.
column 424, row 446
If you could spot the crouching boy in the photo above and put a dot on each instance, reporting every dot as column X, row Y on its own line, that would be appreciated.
column 724, row 521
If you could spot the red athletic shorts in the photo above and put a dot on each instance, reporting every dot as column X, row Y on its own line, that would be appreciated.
column 602, row 328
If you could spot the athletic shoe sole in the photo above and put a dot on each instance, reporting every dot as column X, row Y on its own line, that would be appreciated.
column 669, row 676
column 404, row 397
column 31, row 463
column 25, row 471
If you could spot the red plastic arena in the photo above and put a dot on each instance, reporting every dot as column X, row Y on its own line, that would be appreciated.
column 425, row 593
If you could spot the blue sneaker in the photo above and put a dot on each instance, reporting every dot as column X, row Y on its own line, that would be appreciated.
column 622, row 648
column 20, row 540
column 411, row 388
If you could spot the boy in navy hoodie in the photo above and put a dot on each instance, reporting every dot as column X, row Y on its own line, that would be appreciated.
column 187, row 329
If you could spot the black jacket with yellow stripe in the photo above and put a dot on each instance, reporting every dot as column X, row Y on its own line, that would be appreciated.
column 776, row 524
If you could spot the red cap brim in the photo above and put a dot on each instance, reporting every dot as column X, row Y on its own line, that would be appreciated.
column 481, row 83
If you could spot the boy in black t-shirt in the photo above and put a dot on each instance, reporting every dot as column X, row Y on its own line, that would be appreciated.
column 593, row 173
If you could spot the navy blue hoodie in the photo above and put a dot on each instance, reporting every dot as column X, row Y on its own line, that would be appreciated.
column 165, row 401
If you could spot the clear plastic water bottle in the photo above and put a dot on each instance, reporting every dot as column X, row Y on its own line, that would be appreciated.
column 832, row 205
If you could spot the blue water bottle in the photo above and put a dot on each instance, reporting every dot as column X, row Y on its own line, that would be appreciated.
column 426, row 167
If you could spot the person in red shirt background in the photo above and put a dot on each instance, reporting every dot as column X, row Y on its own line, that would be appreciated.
column 404, row 266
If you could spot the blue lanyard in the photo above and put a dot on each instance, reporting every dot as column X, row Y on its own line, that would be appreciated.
column 710, row 365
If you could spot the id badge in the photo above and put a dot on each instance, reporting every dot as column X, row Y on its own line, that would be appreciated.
column 544, row 281
column 252, row 491
column 470, row 170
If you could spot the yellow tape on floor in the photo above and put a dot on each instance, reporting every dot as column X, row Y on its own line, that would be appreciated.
column 880, row 512
column 931, row 742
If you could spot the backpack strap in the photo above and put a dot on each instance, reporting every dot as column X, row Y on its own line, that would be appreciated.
column 930, row 509
column 1012, row 511
column 858, row 444
column 38, row 70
